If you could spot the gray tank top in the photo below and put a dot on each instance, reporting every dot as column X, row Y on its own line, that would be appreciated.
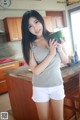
column 51, row 76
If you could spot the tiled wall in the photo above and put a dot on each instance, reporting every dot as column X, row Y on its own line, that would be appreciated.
column 10, row 49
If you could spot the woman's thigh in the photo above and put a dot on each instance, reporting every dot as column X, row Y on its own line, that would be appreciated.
column 57, row 109
column 43, row 110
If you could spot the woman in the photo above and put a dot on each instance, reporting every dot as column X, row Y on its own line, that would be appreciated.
column 44, row 58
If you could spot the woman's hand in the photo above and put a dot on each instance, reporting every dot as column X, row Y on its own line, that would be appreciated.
column 52, row 46
column 60, row 45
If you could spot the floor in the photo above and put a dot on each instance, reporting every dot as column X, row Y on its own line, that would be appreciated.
column 5, row 106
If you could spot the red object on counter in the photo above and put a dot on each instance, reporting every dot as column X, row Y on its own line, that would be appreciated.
column 5, row 60
column 23, row 63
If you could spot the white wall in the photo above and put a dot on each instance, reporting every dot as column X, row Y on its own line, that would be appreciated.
column 18, row 7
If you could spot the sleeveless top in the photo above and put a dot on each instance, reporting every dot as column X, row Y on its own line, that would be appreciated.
column 51, row 76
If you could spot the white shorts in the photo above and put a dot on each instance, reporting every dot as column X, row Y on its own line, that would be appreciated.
column 41, row 94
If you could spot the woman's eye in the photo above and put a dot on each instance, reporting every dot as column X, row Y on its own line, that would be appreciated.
column 29, row 27
column 36, row 21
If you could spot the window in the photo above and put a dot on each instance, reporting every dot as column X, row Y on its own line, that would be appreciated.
column 74, row 15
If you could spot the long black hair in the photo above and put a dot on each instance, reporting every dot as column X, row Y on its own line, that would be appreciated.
column 27, row 37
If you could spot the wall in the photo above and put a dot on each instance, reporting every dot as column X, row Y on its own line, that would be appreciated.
column 11, row 49
column 17, row 8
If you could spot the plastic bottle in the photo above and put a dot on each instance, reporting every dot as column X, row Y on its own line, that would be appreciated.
column 76, row 56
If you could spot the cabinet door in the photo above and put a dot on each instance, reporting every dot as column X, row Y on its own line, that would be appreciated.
column 13, row 28
column 3, row 68
column 59, row 22
column 18, row 22
column 53, row 20
column 48, row 23
column 57, row 18
column 3, row 87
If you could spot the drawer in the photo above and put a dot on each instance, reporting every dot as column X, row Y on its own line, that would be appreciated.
column 3, row 87
column 3, row 68
column 2, row 75
column 9, row 66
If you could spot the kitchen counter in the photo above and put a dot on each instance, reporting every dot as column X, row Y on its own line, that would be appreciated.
column 20, row 91
column 7, row 63
column 24, row 72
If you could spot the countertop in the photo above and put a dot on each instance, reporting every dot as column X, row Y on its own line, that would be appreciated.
column 24, row 72
column 7, row 63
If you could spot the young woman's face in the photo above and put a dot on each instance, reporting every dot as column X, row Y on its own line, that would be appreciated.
column 35, row 27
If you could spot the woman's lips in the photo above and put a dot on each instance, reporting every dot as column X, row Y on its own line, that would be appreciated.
column 38, row 31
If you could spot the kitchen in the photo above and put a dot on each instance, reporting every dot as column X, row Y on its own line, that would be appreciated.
column 11, row 50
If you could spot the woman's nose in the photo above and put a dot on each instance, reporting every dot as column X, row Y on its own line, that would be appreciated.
column 35, row 28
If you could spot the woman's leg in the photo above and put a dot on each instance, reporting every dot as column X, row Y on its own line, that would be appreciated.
column 57, row 109
column 43, row 110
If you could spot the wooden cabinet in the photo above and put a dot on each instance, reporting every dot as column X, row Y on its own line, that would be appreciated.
column 18, row 21
column 53, row 22
column 3, row 68
column 12, row 27
column 20, row 93
column 48, row 23
column 54, row 19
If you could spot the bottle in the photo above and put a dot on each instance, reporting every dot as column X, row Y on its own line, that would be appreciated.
column 76, row 57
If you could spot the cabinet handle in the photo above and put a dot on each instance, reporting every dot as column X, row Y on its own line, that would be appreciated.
column 7, row 66
column 2, row 81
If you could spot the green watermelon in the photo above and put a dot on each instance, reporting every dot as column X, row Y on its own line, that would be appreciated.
column 57, row 36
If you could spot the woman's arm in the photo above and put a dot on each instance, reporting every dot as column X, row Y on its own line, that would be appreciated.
column 63, row 53
column 38, row 68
